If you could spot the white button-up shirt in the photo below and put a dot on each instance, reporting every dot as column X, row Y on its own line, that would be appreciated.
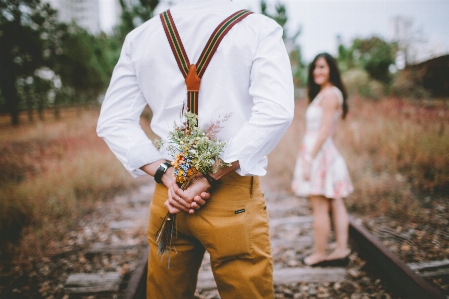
column 249, row 78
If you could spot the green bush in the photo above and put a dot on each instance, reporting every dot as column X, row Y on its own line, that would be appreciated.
column 407, row 84
column 358, row 82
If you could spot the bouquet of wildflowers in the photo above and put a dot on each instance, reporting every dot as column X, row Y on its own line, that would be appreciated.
column 194, row 152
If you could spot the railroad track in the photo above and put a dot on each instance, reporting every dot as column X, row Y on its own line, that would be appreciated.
column 290, row 226
column 399, row 275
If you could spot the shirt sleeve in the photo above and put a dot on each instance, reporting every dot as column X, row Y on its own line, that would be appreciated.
column 118, row 123
column 271, row 88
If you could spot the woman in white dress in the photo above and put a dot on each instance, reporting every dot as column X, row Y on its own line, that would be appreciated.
column 320, row 172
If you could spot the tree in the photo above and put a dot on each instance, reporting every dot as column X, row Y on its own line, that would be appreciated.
column 85, row 62
column 134, row 15
column 26, row 44
column 82, row 64
column 374, row 55
column 345, row 57
column 294, row 50
column 33, row 42
column 281, row 13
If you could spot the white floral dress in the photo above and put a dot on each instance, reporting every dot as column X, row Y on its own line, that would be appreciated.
column 329, row 175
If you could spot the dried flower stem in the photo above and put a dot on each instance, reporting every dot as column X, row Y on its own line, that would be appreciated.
column 194, row 151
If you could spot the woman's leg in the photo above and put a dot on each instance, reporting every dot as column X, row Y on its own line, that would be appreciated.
column 341, row 223
column 321, row 228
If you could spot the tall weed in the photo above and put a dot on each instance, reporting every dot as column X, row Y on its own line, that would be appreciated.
column 53, row 173
column 394, row 149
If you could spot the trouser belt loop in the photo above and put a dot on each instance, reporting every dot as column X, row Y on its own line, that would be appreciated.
column 251, row 187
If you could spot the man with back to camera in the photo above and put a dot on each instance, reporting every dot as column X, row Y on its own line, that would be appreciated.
column 247, row 75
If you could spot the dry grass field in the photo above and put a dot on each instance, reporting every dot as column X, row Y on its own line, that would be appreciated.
column 53, row 172
column 396, row 151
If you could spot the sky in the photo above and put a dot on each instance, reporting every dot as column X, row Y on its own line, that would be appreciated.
column 321, row 21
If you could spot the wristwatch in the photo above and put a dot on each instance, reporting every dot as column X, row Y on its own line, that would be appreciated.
column 212, row 182
column 160, row 172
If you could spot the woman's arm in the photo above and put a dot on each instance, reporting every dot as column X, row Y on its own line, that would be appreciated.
column 329, row 104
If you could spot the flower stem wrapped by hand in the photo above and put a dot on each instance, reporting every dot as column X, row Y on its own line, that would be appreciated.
column 194, row 151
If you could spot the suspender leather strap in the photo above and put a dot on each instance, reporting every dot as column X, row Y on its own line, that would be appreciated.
column 194, row 72
column 216, row 38
column 175, row 42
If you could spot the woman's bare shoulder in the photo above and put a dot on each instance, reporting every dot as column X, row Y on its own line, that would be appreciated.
column 330, row 98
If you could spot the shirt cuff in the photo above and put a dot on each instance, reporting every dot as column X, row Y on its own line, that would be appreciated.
column 257, row 169
column 140, row 155
column 251, row 161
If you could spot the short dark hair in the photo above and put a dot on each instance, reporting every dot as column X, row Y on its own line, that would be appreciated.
column 334, row 77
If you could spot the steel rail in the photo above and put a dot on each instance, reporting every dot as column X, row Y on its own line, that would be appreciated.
column 402, row 278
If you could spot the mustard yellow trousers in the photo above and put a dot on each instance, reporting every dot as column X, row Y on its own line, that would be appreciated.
column 232, row 227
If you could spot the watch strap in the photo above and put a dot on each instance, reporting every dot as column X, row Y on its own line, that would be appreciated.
column 212, row 182
column 160, row 171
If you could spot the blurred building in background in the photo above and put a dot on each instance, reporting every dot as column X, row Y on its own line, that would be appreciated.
column 93, row 15
column 85, row 13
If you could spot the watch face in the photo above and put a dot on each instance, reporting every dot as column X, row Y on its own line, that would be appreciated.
column 164, row 166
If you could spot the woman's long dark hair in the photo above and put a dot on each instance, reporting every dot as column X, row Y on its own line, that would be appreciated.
column 334, row 77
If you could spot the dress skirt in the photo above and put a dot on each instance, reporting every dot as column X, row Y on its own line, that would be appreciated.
column 329, row 174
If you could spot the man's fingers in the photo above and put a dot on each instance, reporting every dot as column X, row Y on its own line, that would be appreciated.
column 178, row 199
column 182, row 196
column 178, row 204
column 171, row 209
column 198, row 201
column 186, row 200
column 178, row 192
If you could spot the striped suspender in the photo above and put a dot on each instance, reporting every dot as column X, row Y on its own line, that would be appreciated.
column 194, row 72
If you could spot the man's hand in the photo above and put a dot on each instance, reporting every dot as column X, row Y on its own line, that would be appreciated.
column 194, row 199
column 190, row 199
column 196, row 195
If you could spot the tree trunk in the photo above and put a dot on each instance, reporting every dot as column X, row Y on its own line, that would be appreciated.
column 29, row 107
column 14, row 117
column 12, row 100
column 40, row 111
column 8, row 85
column 56, row 111
column 30, row 115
